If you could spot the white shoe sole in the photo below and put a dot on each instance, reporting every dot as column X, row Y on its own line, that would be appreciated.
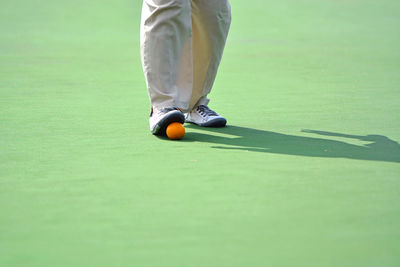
column 218, row 122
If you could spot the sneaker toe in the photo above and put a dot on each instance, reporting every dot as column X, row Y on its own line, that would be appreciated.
column 215, row 122
column 161, row 126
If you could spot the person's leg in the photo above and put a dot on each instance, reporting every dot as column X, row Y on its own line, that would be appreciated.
column 211, row 20
column 166, row 50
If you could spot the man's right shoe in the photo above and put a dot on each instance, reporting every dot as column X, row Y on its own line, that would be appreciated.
column 161, row 118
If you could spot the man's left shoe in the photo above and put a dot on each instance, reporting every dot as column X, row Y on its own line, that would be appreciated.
column 204, row 116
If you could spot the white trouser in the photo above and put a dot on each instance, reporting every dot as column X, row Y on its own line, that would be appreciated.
column 181, row 46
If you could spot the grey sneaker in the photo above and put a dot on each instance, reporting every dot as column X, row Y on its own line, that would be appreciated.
column 204, row 116
column 161, row 118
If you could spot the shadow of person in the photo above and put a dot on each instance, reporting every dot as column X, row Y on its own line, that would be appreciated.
column 380, row 147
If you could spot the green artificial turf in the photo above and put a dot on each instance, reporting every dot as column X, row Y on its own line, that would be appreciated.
column 306, row 174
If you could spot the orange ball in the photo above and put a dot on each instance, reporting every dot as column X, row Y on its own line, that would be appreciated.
column 175, row 131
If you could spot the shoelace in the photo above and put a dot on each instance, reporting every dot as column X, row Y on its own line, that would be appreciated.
column 164, row 110
column 206, row 111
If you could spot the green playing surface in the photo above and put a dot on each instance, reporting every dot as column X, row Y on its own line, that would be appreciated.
column 306, row 174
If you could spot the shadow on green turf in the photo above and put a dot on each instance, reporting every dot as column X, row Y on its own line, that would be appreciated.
column 380, row 148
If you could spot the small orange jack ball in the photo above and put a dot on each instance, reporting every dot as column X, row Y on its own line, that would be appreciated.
column 175, row 131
